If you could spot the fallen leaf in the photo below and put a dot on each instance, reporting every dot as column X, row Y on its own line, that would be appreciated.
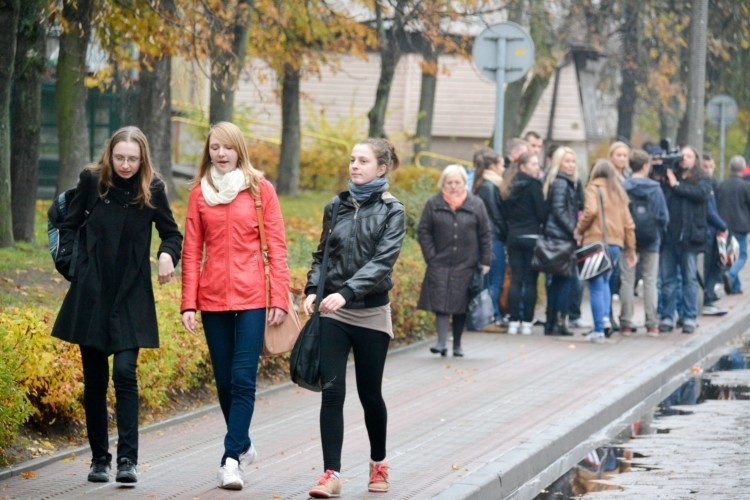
column 28, row 475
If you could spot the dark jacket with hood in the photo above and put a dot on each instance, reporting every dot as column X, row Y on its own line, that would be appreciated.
column 490, row 195
column 525, row 209
column 453, row 245
column 364, row 246
column 733, row 200
column 643, row 187
column 110, row 303
column 687, row 203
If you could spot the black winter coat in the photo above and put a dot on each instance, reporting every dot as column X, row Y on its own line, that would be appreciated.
column 365, row 244
column 733, row 200
column 110, row 303
column 563, row 204
column 688, row 213
column 453, row 245
column 525, row 209
column 490, row 195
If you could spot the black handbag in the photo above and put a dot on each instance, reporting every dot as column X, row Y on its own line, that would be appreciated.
column 554, row 256
column 304, row 362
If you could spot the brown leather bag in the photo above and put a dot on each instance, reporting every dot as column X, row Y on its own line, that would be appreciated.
column 278, row 339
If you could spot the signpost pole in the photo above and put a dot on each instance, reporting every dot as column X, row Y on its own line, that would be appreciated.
column 722, row 137
column 497, row 144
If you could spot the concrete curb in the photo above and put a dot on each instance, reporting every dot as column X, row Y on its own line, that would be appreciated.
column 515, row 475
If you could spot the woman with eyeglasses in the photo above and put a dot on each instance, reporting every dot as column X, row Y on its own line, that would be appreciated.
column 109, row 309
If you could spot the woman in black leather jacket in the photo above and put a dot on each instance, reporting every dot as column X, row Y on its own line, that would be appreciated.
column 561, row 192
column 355, row 311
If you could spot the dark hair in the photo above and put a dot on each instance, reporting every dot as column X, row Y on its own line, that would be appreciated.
column 638, row 159
column 551, row 150
column 385, row 153
column 531, row 133
column 484, row 159
column 707, row 157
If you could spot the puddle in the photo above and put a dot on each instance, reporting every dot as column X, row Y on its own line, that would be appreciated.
column 728, row 379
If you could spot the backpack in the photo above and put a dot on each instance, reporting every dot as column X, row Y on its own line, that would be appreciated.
column 647, row 231
column 64, row 257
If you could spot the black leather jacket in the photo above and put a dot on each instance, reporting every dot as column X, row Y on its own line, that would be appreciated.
column 562, row 214
column 365, row 244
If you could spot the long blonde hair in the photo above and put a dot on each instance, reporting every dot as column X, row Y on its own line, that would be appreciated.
column 105, row 168
column 229, row 133
column 557, row 159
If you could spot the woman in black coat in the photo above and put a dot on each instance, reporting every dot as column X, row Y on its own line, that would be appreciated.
column 561, row 192
column 525, row 210
column 109, row 308
column 454, row 234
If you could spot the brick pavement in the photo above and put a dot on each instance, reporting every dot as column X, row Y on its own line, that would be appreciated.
column 503, row 422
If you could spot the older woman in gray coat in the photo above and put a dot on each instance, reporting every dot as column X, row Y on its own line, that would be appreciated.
column 455, row 236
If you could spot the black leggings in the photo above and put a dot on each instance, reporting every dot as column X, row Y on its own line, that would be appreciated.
column 95, row 383
column 370, row 348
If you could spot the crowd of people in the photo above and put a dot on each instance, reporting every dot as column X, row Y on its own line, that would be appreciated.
column 653, row 222
column 661, row 215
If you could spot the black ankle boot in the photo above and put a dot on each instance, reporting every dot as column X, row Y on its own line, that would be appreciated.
column 561, row 327
column 551, row 323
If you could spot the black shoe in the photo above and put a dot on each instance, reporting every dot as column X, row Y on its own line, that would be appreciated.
column 665, row 328
column 443, row 352
column 688, row 328
column 126, row 472
column 458, row 352
column 99, row 472
column 727, row 283
column 561, row 326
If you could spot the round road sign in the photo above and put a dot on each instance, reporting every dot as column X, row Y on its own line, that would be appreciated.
column 720, row 103
column 519, row 51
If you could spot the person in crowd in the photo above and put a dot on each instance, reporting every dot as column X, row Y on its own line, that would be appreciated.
column 535, row 143
column 109, row 308
column 488, row 165
column 561, row 192
column 514, row 148
column 456, row 238
column 687, row 193
column 364, row 244
column 733, row 200
column 716, row 226
column 649, row 211
column 605, row 190
column 223, row 278
column 526, row 212
column 619, row 155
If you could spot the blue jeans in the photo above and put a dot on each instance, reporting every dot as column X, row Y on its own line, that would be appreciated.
column 497, row 275
column 734, row 271
column 234, row 341
column 558, row 294
column 600, row 293
column 673, row 260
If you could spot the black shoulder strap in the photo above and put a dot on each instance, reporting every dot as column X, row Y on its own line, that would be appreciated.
column 324, row 263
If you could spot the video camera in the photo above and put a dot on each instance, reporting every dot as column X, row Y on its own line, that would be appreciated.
column 665, row 158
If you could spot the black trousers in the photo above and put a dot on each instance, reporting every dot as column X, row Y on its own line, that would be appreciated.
column 95, row 383
column 370, row 348
column 522, row 294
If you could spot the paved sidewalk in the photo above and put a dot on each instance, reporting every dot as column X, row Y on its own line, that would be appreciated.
column 503, row 422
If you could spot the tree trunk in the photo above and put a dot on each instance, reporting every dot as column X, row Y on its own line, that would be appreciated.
column 694, row 118
column 26, row 114
column 9, row 11
column 390, row 53
column 426, row 97
column 70, row 93
column 226, row 66
column 626, row 101
column 288, row 174
column 155, row 113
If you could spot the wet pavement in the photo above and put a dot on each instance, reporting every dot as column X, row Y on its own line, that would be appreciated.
column 503, row 422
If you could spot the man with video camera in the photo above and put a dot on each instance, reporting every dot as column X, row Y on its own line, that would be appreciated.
column 687, row 190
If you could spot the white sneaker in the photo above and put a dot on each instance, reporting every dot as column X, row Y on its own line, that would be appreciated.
column 596, row 337
column 578, row 323
column 248, row 457
column 526, row 328
column 513, row 327
column 229, row 475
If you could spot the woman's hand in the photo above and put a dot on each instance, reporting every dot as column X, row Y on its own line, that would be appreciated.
column 309, row 304
column 485, row 270
column 332, row 303
column 189, row 321
column 671, row 178
column 578, row 237
column 631, row 260
column 275, row 316
column 166, row 268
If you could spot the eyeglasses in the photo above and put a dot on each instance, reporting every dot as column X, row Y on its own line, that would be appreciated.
column 133, row 160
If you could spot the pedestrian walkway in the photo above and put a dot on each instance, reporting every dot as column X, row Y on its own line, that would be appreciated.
column 502, row 422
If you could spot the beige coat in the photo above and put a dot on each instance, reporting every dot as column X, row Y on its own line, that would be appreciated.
column 620, row 225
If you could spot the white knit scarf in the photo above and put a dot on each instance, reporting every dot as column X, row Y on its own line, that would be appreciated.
column 228, row 186
column 493, row 177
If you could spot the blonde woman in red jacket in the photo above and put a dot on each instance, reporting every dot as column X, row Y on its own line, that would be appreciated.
column 223, row 277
